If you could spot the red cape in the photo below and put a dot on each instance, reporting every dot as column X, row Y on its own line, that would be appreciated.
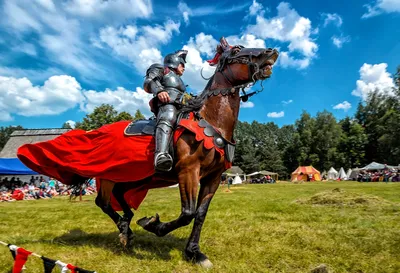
column 105, row 153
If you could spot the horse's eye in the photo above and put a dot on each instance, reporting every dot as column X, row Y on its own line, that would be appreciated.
column 235, row 50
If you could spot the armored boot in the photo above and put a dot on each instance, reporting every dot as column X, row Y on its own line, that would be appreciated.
column 166, row 121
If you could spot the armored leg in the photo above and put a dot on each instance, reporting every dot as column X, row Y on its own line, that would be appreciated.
column 166, row 119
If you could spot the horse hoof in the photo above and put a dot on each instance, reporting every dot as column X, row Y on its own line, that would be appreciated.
column 124, row 239
column 205, row 264
column 146, row 221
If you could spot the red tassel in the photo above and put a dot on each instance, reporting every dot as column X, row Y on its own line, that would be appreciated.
column 20, row 259
column 215, row 60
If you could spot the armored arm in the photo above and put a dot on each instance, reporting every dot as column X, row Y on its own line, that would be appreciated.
column 152, row 83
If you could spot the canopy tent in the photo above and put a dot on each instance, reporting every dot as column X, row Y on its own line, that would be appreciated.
column 302, row 172
column 273, row 175
column 237, row 180
column 342, row 174
column 235, row 171
column 13, row 166
column 333, row 174
column 377, row 166
column 354, row 173
column 348, row 173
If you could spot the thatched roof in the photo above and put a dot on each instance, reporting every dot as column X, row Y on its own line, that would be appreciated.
column 21, row 137
column 235, row 170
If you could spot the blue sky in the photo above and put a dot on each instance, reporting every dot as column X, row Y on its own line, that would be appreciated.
column 61, row 59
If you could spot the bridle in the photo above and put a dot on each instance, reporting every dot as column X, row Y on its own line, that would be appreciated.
column 236, row 55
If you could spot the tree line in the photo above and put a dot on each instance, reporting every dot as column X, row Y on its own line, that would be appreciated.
column 372, row 134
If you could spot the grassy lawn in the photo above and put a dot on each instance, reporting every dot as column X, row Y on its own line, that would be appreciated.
column 253, row 228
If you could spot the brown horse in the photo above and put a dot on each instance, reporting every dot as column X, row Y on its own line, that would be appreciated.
column 219, row 105
column 217, row 109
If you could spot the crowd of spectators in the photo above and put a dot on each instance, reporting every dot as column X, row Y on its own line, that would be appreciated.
column 386, row 175
column 38, row 187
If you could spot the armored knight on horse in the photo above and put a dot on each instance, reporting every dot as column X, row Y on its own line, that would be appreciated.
column 165, row 84
column 203, row 145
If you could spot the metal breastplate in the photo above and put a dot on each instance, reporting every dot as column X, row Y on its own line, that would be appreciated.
column 174, row 85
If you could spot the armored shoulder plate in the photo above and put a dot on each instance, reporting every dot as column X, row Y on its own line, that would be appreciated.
column 172, row 81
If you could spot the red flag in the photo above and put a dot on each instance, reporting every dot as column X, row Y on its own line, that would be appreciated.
column 20, row 259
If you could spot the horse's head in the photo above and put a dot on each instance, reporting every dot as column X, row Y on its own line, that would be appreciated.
column 241, row 65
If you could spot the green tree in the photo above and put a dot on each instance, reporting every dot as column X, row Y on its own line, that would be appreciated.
column 123, row 116
column 105, row 114
column 66, row 125
column 138, row 115
column 379, row 115
column 352, row 144
column 5, row 133
column 326, row 135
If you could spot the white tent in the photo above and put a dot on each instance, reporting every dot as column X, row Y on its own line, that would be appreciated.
column 348, row 173
column 342, row 174
column 332, row 174
column 237, row 180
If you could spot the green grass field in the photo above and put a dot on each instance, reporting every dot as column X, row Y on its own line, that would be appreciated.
column 253, row 228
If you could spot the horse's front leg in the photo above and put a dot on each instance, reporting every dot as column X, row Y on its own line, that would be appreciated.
column 192, row 251
column 188, row 185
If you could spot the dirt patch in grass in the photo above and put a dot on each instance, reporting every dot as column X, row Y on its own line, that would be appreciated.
column 339, row 197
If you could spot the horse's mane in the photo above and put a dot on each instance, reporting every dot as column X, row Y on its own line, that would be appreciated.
column 198, row 102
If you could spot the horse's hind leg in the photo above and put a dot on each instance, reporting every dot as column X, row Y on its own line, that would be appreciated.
column 103, row 201
column 126, row 234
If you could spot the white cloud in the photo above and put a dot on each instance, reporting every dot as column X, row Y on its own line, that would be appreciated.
column 373, row 77
column 276, row 114
column 185, row 10
column 288, row 61
column 332, row 18
column 246, row 40
column 108, row 10
column 58, row 94
column 286, row 102
column 48, row 4
column 381, row 6
column 343, row 105
column 59, row 35
column 288, row 26
column 197, row 46
column 61, row 93
column 139, row 45
column 71, row 123
column 338, row 41
column 32, row 74
column 26, row 48
column 121, row 98
column 256, row 8
column 247, row 104
column 215, row 9
column 206, row 44
column 18, row 18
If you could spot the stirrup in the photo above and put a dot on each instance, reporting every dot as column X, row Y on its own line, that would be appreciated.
column 163, row 162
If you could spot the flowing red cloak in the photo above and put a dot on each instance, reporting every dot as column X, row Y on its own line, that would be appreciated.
column 105, row 153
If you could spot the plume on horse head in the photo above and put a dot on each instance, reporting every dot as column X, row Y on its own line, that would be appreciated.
column 221, row 48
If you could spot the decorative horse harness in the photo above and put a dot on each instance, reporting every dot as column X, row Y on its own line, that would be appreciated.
column 236, row 54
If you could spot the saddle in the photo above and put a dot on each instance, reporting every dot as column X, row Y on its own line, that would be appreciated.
column 141, row 127
column 202, row 129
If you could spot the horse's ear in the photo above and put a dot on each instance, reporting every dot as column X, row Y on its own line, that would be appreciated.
column 224, row 44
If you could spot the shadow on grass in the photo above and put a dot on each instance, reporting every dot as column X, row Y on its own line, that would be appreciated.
column 142, row 241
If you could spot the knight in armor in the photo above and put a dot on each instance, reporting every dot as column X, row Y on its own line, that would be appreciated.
column 167, row 87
